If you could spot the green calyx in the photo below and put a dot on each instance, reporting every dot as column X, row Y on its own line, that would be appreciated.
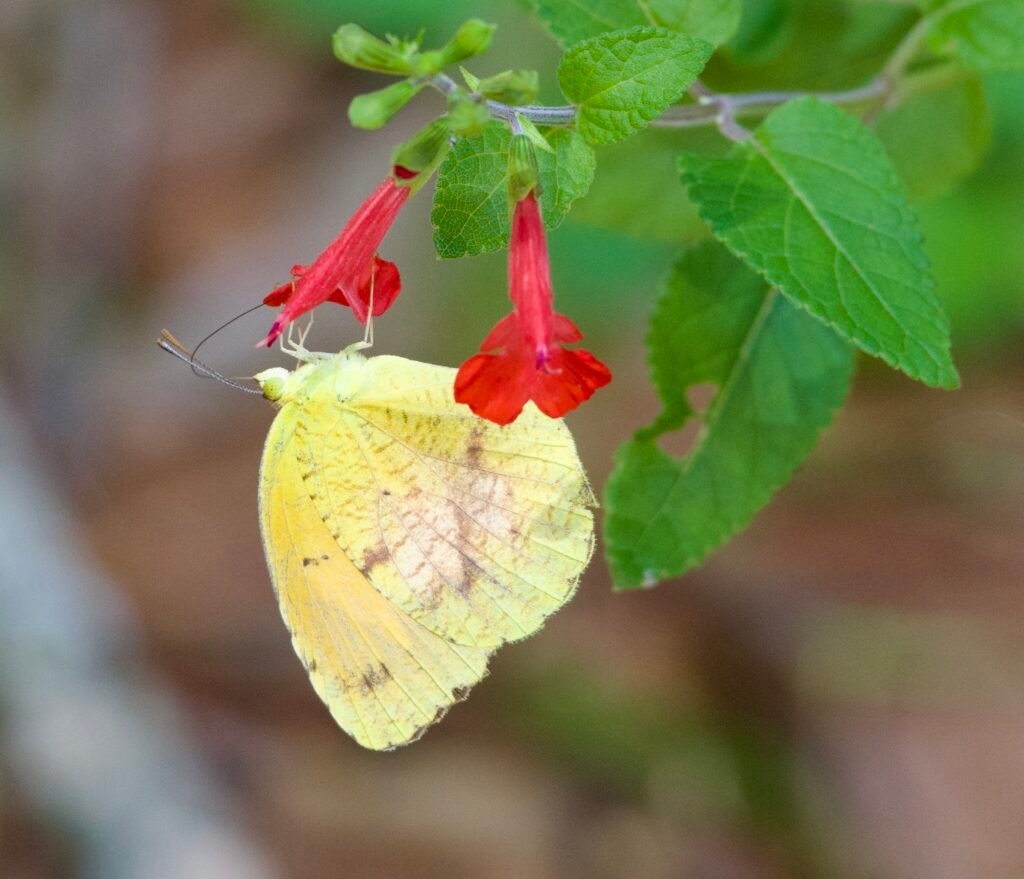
column 523, row 173
column 422, row 153
column 375, row 109
column 472, row 38
column 510, row 87
column 359, row 48
column 466, row 117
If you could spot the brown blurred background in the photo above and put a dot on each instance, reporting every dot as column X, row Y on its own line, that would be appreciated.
column 838, row 693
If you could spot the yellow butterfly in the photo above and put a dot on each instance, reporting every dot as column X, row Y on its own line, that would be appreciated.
column 407, row 538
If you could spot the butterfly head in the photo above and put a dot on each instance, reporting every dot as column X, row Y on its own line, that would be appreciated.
column 274, row 382
column 280, row 385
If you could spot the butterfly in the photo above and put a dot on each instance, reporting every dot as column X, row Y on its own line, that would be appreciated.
column 407, row 539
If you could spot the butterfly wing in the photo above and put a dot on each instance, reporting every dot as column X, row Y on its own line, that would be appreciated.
column 384, row 677
column 478, row 532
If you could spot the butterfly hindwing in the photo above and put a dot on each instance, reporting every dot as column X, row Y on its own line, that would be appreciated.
column 384, row 677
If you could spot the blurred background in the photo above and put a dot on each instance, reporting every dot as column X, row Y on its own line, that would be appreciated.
column 837, row 693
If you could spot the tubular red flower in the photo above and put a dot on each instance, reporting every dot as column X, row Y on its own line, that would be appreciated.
column 349, row 269
column 522, row 357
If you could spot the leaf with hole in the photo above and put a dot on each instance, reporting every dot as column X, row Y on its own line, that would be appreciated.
column 780, row 375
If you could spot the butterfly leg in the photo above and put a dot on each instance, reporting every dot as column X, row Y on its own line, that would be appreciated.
column 305, row 332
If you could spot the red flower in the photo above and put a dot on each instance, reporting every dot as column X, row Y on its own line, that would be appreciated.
column 349, row 268
column 528, row 361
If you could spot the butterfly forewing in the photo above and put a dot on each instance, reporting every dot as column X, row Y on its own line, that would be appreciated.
column 478, row 532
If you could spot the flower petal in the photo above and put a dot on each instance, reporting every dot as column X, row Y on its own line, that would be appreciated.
column 494, row 386
column 383, row 281
column 504, row 334
column 279, row 295
column 570, row 378
column 565, row 330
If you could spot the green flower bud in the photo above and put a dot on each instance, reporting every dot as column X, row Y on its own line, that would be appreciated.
column 375, row 109
column 419, row 156
column 510, row 87
column 359, row 48
column 472, row 38
column 427, row 63
column 522, row 167
column 466, row 117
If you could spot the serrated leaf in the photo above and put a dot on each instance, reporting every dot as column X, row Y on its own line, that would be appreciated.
column 813, row 202
column 936, row 139
column 471, row 211
column 566, row 173
column 621, row 80
column 987, row 34
column 780, row 375
column 712, row 20
column 570, row 21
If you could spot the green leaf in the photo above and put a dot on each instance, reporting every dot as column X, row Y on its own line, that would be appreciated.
column 471, row 211
column 813, row 202
column 570, row 21
column 713, row 20
column 936, row 139
column 565, row 174
column 761, row 34
column 986, row 34
column 622, row 80
column 780, row 375
column 630, row 195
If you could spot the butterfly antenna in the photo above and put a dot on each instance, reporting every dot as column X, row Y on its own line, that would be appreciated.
column 208, row 336
column 172, row 346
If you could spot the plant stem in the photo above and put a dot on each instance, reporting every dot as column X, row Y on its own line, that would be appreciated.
column 536, row 113
column 906, row 51
column 892, row 86
column 723, row 109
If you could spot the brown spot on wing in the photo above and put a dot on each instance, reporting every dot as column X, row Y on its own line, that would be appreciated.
column 373, row 556
column 374, row 676
column 474, row 445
